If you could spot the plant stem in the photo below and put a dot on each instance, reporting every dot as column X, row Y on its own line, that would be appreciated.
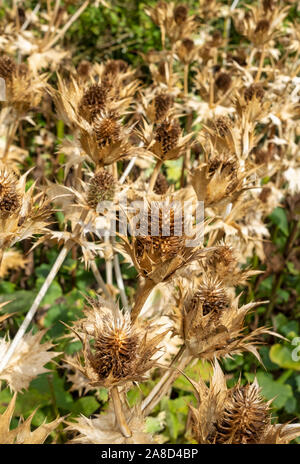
column 141, row 298
column 120, row 282
column 154, row 175
column 165, row 382
column 43, row 290
column 260, row 66
column 186, row 79
column 119, row 413
column 99, row 279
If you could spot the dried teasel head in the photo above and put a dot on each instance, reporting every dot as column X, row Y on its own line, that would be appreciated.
column 93, row 101
column 162, row 104
column 116, row 351
column 167, row 136
column 223, row 81
column 10, row 201
column 107, row 129
column 180, row 14
column 101, row 188
column 84, row 69
column 115, row 67
column 161, row 238
column 239, row 415
column 254, row 91
column 262, row 27
column 7, row 67
column 161, row 185
column 245, row 418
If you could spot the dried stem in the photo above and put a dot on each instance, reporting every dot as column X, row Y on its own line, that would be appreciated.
column 154, row 175
column 141, row 298
column 99, row 279
column 260, row 66
column 43, row 290
column 119, row 412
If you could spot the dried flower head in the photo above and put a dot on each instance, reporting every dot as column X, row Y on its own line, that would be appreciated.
column 9, row 195
column 107, row 129
column 84, row 69
column 167, row 135
column 180, row 14
column 7, row 67
column 116, row 351
column 223, row 81
column 162, row 103
column 101, row 188
column 254, row 91
column 262, row 26
column 238, row 415
column 93, row 101
column 115, row 67
column 161, row 185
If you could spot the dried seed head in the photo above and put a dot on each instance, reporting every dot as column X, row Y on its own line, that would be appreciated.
column 93, row 101
column 115, row 67
column 167, row 134
column 107, row 130
column 101, row 188
column 222, row 125
column 180, row 14
column 240, row 58
column 262, row 26
column 115, row 351
column 262, row 156
column 161, row 237
column 188, row 44
column 162, row 103
column 245, row 418
column 161, row 185
column 84, row 69
column 223, row 81
column 226, row 166
column 224, row 256
column 254, row 91
column 7, row 67
column 9, row 197
column 268, row 5
column 210, row 297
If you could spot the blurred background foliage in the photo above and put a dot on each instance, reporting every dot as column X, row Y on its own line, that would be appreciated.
column 124, row 31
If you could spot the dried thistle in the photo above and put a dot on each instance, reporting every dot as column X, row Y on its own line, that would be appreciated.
column 238, row 415
column 101, row 188
column 122, row 352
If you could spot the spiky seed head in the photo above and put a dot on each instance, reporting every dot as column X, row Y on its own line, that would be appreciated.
column 7, row 67
column 223, row 255
column 101, row 188
column 84, row 68
column 268, row 5
column 115, row 67
column 188, row 44
column 107, row 130
column 167, row 134
column 115, row 350
column 180, row 14
column 262, row 156
column 161, row 185
column 161, row 238
column 254, row 91
column 93, row 101
column 245, row 418
column 162, row 103
column 9, row 196
column 210, row 297
column 223, row 81
column 264, row 194
column 222, row 125
column 216, row 38
column 226, row 166
column 262, row 26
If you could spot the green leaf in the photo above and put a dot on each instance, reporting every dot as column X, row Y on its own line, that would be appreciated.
column 86, row 406
column 274, row 390
column 279, row 218
column 282, row 355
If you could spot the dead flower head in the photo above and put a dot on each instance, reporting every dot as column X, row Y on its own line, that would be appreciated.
column 115, row 350
column 238, row 415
